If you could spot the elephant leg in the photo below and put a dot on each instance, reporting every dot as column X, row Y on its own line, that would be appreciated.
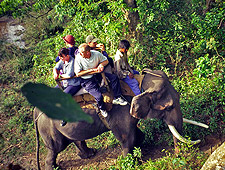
column 54, row 148
column 135, row 139
column 139, row 137
column 127, row 140
column 50, row 161
column 84, row 151
column 128, row 144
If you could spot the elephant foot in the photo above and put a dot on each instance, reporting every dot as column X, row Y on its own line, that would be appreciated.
column 52, row 167
column 86, row 155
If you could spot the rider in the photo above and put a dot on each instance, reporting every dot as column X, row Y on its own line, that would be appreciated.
column 65, row 68
column 123, row 69
column 92, row 42
column 87, row 63
column 69, row 41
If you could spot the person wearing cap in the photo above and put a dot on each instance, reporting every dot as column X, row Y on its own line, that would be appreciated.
column 91, row 40
column 89, row 62
column 69, row 41
column 66, row 66
column 123, row 69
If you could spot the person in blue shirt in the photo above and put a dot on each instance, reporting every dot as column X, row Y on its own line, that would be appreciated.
column 65, row 69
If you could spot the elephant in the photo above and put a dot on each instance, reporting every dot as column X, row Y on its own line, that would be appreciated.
column 56, row 138
column 158, row 100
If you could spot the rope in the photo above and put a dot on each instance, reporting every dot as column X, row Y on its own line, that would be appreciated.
column 38, row 117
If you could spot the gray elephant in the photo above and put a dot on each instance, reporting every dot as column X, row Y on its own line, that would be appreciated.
column 159, row 100
column 57, row 138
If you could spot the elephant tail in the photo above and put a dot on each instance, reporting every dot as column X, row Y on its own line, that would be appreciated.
column 37, row 136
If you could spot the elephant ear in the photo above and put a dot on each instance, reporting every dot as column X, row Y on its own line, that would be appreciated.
column 140, row 105
column 147, row 104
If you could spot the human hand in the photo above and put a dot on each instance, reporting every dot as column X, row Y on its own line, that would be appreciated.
column 131, row 75
column 100, row 68
column 101, row 47
column 56, row 76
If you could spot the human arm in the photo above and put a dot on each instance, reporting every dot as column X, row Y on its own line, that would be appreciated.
column 56, row 69
column 100, row 47
column 55, row 73
column 57, row 59
column 99, row 69
column 101, row 66
column 131, row 75
column 121, row 73
column 85, row 72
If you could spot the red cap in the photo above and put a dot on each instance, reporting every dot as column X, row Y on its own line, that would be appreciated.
column 69, row 39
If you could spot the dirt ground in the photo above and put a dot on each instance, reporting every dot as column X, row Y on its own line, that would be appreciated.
column 107, row 157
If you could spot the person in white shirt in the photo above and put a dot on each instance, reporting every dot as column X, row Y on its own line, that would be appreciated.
column 89, row 62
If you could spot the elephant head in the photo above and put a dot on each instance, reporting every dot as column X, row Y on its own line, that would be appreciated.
column 160, row 100
column 158, row 95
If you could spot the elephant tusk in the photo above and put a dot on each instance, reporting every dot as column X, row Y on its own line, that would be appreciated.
column 195, row 123
column 182, row 139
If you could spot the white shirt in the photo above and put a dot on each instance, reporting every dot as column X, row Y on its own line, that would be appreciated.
column 88, row 63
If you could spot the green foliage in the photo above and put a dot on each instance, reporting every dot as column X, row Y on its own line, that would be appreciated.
column 54, row 103
column 156, row 132
column 204, row 67
column 105, row 140
column 177, row 36
column 202, row 96
column 21, row 8
column 184, row 160
column 130, row 162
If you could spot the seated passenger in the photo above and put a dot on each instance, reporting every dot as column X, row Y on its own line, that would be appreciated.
column 92, row 42
column 69, row 41
column 123, row 69
column 66, row 65
column 87, row 63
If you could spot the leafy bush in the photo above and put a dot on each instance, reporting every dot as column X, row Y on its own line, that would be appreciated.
column 131, row 161
column 156, row 132
column 105, row 140
column 184, row 160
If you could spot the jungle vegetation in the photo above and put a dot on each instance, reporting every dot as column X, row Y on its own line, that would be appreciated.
column 184, row 38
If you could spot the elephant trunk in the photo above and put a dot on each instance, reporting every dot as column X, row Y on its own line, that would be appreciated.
column 181, row 138
column 195, row 123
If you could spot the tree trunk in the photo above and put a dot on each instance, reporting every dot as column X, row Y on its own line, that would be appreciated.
column 209, row 5
column 132, row 19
